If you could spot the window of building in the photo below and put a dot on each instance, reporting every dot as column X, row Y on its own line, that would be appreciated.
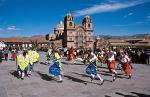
column 70, row 39
column 70, row 23
column 89, row 25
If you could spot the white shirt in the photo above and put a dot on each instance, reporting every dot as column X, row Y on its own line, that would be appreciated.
column 111, row 56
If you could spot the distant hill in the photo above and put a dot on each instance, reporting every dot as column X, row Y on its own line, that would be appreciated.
column 103, row 36
column 122, row 37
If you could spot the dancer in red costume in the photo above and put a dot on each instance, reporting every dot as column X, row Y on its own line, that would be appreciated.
column 71, row 54
column 112, row 63
column 125, row 63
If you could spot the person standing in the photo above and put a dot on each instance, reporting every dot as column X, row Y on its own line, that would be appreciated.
column 1, row 56
column 6, row 51
column 148, row 57
column 13, row 55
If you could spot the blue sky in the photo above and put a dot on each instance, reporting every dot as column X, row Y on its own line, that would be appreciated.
column 39, row 17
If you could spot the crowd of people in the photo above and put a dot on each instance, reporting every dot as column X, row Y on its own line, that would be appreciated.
column 111, row 57
column 91, row 59
column 25, row 60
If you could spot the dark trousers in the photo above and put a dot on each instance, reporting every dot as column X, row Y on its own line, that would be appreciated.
column 6, row 56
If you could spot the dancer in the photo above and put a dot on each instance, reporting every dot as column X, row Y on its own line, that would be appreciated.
column 101, row 56
column 49, row 56
column 125, row 63
column 22, row 64
column 56, row 68
column 34, row 57
column 111, row 63
column 92, row 67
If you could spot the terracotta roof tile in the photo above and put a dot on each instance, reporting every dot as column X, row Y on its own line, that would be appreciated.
column 24, row 39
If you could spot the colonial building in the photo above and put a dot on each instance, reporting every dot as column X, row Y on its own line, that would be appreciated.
column 25, row 42
column 72, row 35
column 123, row 43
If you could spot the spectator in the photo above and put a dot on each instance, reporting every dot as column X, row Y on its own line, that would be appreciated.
column 6, row 51
column 1, row 56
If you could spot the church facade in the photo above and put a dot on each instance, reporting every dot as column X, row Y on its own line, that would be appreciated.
column 72, row 35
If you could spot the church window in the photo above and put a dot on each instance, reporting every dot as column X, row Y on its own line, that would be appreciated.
column 89, row 25
column 70, row 39
column 70, row 23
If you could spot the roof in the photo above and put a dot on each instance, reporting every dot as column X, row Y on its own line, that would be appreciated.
column 116, row 40
column 24, row 39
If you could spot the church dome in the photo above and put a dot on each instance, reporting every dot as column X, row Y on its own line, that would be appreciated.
column 60, row 26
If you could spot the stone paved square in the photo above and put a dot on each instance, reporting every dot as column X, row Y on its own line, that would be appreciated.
column 76, row 83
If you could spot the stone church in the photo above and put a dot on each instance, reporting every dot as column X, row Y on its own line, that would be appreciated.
column 72, row 35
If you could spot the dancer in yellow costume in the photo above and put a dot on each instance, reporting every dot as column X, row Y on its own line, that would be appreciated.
column 22, row 63
column 34, row 57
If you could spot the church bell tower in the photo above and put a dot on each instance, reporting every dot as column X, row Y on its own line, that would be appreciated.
column 69, row 30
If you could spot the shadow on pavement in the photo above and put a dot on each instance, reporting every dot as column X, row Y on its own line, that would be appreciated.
column 109, row 74
column 71, row 63
column 107, row 96
column 83, row 75
column 14, row 73
column 80, row 80
column 138, row 94
column 43, row 63
column 44, row 76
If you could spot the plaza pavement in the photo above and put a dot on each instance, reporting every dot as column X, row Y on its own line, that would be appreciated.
column 76, row 83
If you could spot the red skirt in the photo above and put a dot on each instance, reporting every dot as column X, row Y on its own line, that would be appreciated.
column 127, row 68
column 111, row 65
column 13, row 56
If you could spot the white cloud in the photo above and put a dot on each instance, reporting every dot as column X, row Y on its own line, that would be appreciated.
column 108, row 7
column 129, row 14
column 148, row 17
column 1, row 29
column 131, row 24
column 112, row 1
column 13, row 28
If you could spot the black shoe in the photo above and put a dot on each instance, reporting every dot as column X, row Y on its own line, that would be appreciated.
column 22, row 78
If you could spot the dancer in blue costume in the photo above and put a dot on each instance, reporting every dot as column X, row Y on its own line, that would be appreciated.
column 56, row 68
column 92, row 67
